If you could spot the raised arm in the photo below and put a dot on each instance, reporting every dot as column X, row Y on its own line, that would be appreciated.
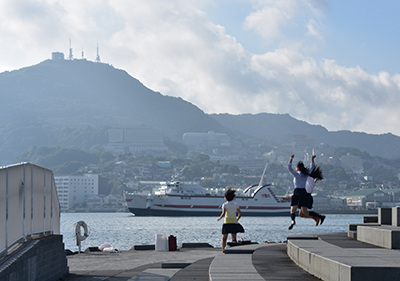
column 312, row 165
column 291, row 158
column 312, row 158
column 293, row 172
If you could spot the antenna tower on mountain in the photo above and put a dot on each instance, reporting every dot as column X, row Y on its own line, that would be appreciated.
column 83, row 56
column 70, row 57
column 98, row 55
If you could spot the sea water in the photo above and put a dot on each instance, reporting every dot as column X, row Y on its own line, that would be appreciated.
column 124, row 230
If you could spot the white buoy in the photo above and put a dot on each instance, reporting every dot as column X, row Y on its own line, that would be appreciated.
column 79, row 237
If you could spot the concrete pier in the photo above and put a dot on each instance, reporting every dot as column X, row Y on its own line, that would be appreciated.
column 248, row 262
column 333, row 256
column 368, row 251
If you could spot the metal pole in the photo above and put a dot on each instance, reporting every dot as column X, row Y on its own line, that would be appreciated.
column 24, row 212
column 31, row 201
column 6, row 211
column 51, row 203
column 44, row 203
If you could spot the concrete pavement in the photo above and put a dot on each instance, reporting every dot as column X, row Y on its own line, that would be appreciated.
column 248, row 262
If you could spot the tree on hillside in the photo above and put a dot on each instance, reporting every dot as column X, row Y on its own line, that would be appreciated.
column 201, row 158
column 175, row 146
column 381, row 174
column 338, row 173
column 68, row 168
column 230, row 169
column 340, row 151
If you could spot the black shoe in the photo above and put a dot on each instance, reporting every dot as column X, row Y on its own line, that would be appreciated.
column 291, row 226
column 322, row 220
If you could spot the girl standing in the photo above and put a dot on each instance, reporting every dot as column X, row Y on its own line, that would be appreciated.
column 231, row 225
column 301, row 198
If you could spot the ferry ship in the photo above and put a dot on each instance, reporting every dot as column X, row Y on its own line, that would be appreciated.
column 191, row 199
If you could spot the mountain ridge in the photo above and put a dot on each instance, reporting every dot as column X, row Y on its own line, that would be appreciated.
column 283, row 127
column 55, row 98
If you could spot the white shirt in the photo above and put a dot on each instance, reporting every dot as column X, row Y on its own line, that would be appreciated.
column 230, row 211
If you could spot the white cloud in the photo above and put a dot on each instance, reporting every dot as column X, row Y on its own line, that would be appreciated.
column 314, row 29
column 268, row 21
column 172, row 47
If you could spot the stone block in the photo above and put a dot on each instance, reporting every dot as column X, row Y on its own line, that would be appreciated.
column 382, row 236
column 144, row 247
column 352, row 234
column 395, row 216
column 303, row 260
column 371, row 219
column 374, row 273
column 385, row 216
column 195, row 245
column 352, row 227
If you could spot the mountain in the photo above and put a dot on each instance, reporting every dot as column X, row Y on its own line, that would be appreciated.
column 75, row 102
column 40, row 100
column 280, row 128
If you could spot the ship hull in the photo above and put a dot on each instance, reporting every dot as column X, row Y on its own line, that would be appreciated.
column 201, row 213
column 201, row 206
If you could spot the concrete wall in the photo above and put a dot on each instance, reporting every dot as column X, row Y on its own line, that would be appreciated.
column 41, row 259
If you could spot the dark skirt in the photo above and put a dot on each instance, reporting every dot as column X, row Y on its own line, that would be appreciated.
column 301, row 198
column 232, row 228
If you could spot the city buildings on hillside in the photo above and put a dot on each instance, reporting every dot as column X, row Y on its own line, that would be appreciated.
column 204, row 141
column 134, row 140
column 302, row 143
column 371, row 198
column 101, row 202
column 246, row 164
column 74, row 190
column 352, row 163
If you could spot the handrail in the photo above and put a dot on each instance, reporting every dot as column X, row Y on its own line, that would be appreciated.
column 28, row 204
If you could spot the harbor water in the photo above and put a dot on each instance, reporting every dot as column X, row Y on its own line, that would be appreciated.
column 124, row 230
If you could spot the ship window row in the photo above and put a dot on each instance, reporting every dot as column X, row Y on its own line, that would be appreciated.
column 66, row 180
column 190, row 198
column 66, row 185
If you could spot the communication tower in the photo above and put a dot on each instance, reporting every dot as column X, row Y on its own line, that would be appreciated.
column 70, row 57
column 98, row 55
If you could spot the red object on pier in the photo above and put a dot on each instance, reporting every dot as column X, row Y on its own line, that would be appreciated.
column 172, row 243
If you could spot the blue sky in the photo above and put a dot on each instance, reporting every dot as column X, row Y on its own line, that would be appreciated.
column 331, row 63
column 361, row 33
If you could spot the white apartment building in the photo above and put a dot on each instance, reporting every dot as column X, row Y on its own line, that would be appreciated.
column 76, row 189
column 134, row 140
column 206, row 140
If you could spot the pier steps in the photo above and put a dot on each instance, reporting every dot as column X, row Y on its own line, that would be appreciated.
column 336, row 257
column 42, row 258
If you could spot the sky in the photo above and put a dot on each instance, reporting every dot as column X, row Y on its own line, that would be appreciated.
column 333, row 63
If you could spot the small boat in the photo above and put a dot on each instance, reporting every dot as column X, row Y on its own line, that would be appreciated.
column 191, row 199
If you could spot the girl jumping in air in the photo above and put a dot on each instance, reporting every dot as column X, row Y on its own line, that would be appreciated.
column 231, row 225
column 301, row 198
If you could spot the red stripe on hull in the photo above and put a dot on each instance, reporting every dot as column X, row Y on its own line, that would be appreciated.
column 217, row 207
